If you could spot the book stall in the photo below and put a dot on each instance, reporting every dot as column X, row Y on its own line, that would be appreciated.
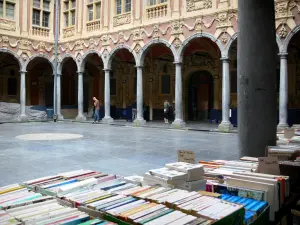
column 254, row 191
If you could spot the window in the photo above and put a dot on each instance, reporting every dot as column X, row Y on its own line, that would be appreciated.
column 36, row 17
column 10, row 10
column 123, row 6
column 165, row 84
column 93, row 10
column 69, row 7
column 7, row 9
column 41, row 13
column 155, row 2
column 46, row 19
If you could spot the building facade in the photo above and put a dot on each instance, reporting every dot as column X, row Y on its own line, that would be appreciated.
column 143, row 51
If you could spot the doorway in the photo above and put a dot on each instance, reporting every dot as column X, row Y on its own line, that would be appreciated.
column 200, row 96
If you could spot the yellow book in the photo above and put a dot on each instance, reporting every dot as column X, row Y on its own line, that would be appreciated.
column 137, row 210
column 140, row 191
column 98, row 199
column 144, row 191
column 10, row 190
column 216, row 195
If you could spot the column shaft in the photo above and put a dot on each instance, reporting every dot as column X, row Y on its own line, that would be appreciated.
column 178, row 97
column 283, row 92
column 139, row 94
column 23, row 117
column 58, row 90
column 80, row 116
column 107, row 118
column 225, row 125
column 257, row 102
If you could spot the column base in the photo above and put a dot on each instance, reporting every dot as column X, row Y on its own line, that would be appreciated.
column 23, row 118
column 80, row 118
column 225, row 126
column 282, row 126
column 108, row 120
column 139, row 122
column 178, row 124
column 60, row 117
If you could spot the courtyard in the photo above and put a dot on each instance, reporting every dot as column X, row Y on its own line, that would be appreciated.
column 120, row 150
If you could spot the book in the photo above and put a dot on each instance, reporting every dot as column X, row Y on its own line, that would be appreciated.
column 168, row 174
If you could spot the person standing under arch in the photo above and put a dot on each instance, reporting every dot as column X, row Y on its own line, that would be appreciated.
column 166, row 111
column 97, row 110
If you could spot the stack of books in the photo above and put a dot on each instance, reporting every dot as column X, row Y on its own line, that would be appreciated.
column 15, row 195
column 253, row 207
column 262, row 187
column 283, row 152
column 177, row 175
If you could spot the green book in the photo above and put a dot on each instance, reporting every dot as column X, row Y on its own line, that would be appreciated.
column 156, row 216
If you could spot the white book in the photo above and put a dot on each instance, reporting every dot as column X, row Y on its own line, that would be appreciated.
column 146, row 212
column 175, row 197
column 226, row 212
column 107, row 200
column 38, row 212
column 153, row 192
column 184, row 220
column 192, row 170
column 188, row 199
column 154, row 179
column 163, row 194
column 55, row 219
column 26, row 207
column 151, row 214
column 40, row 179
column 134, row 179
column 193, row 185
column 169, row 174
column 170, row 217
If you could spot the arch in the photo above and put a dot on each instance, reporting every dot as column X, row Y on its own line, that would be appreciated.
column 63, row 60
column 84, row 58
column 43, row 56
column 17, row 58
column 234, row 37
column 114, row 52
column 144, row 50
column 288, row 38
column 199, row 35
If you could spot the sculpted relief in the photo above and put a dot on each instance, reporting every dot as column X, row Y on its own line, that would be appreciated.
column 193, row 5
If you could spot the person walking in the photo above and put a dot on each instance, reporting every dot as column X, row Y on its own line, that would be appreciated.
column 166, row 111
column 97, row 110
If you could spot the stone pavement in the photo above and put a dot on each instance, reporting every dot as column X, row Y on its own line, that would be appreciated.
column 112, row 149
column 190, row 125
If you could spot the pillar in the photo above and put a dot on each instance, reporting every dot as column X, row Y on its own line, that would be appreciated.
column 139, row 98
column 80, row 116
column 178, row 122
column 58, row 91
column 107, row 118
column 283, row 93
column 257, row 101
column 225, row 125
column 23, row 117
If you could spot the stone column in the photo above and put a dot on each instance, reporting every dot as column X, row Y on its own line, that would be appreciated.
column 257, row 97
column 139, row 98
column 80, row 116
column 58, row 91
column 225, row 125
column 23, row 117
column 178, row 122
column 107, row 118
column 283, row 93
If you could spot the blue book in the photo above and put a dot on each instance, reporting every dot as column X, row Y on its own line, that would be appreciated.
column 236, row 199
column 119, row 204
column 242, row 200
column 62, row 183
column 105, row 205
column 247, row 201
column 250, row 205
column 259, row 208
column 249, row 217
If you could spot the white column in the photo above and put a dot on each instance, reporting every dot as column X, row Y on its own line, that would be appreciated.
column 107, row 118
column 283, row 92
column 80, row 116
column 139, row 98
column 178, row 123
column 225, row 125
column 58, row 90
column 23, row 117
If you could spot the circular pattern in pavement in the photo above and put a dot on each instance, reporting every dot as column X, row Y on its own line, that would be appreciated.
column 48, row 136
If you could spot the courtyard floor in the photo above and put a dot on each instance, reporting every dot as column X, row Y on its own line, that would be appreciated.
column 121, row 150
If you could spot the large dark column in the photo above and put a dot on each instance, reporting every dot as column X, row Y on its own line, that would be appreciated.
column 256, row 76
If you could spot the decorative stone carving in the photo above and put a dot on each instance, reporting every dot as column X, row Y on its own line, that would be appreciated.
column 177, row 28
column 157, row 11
column 156, row 33
column 79, row 58
column 7, row 25
column 204, row 60
column 79, row 45
column 24, row 44
column 283, row 9
column 224, row 38
column 5, row 41
column 193, row 5
column 137, row 49
column 24, row 57
column 121, row 38
column 283, row 31
column 223, row 20
column 137, row 35
column 122, row 19
column 198, row 24
column 105, row 40
column 68, row 32
column 177, row 43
